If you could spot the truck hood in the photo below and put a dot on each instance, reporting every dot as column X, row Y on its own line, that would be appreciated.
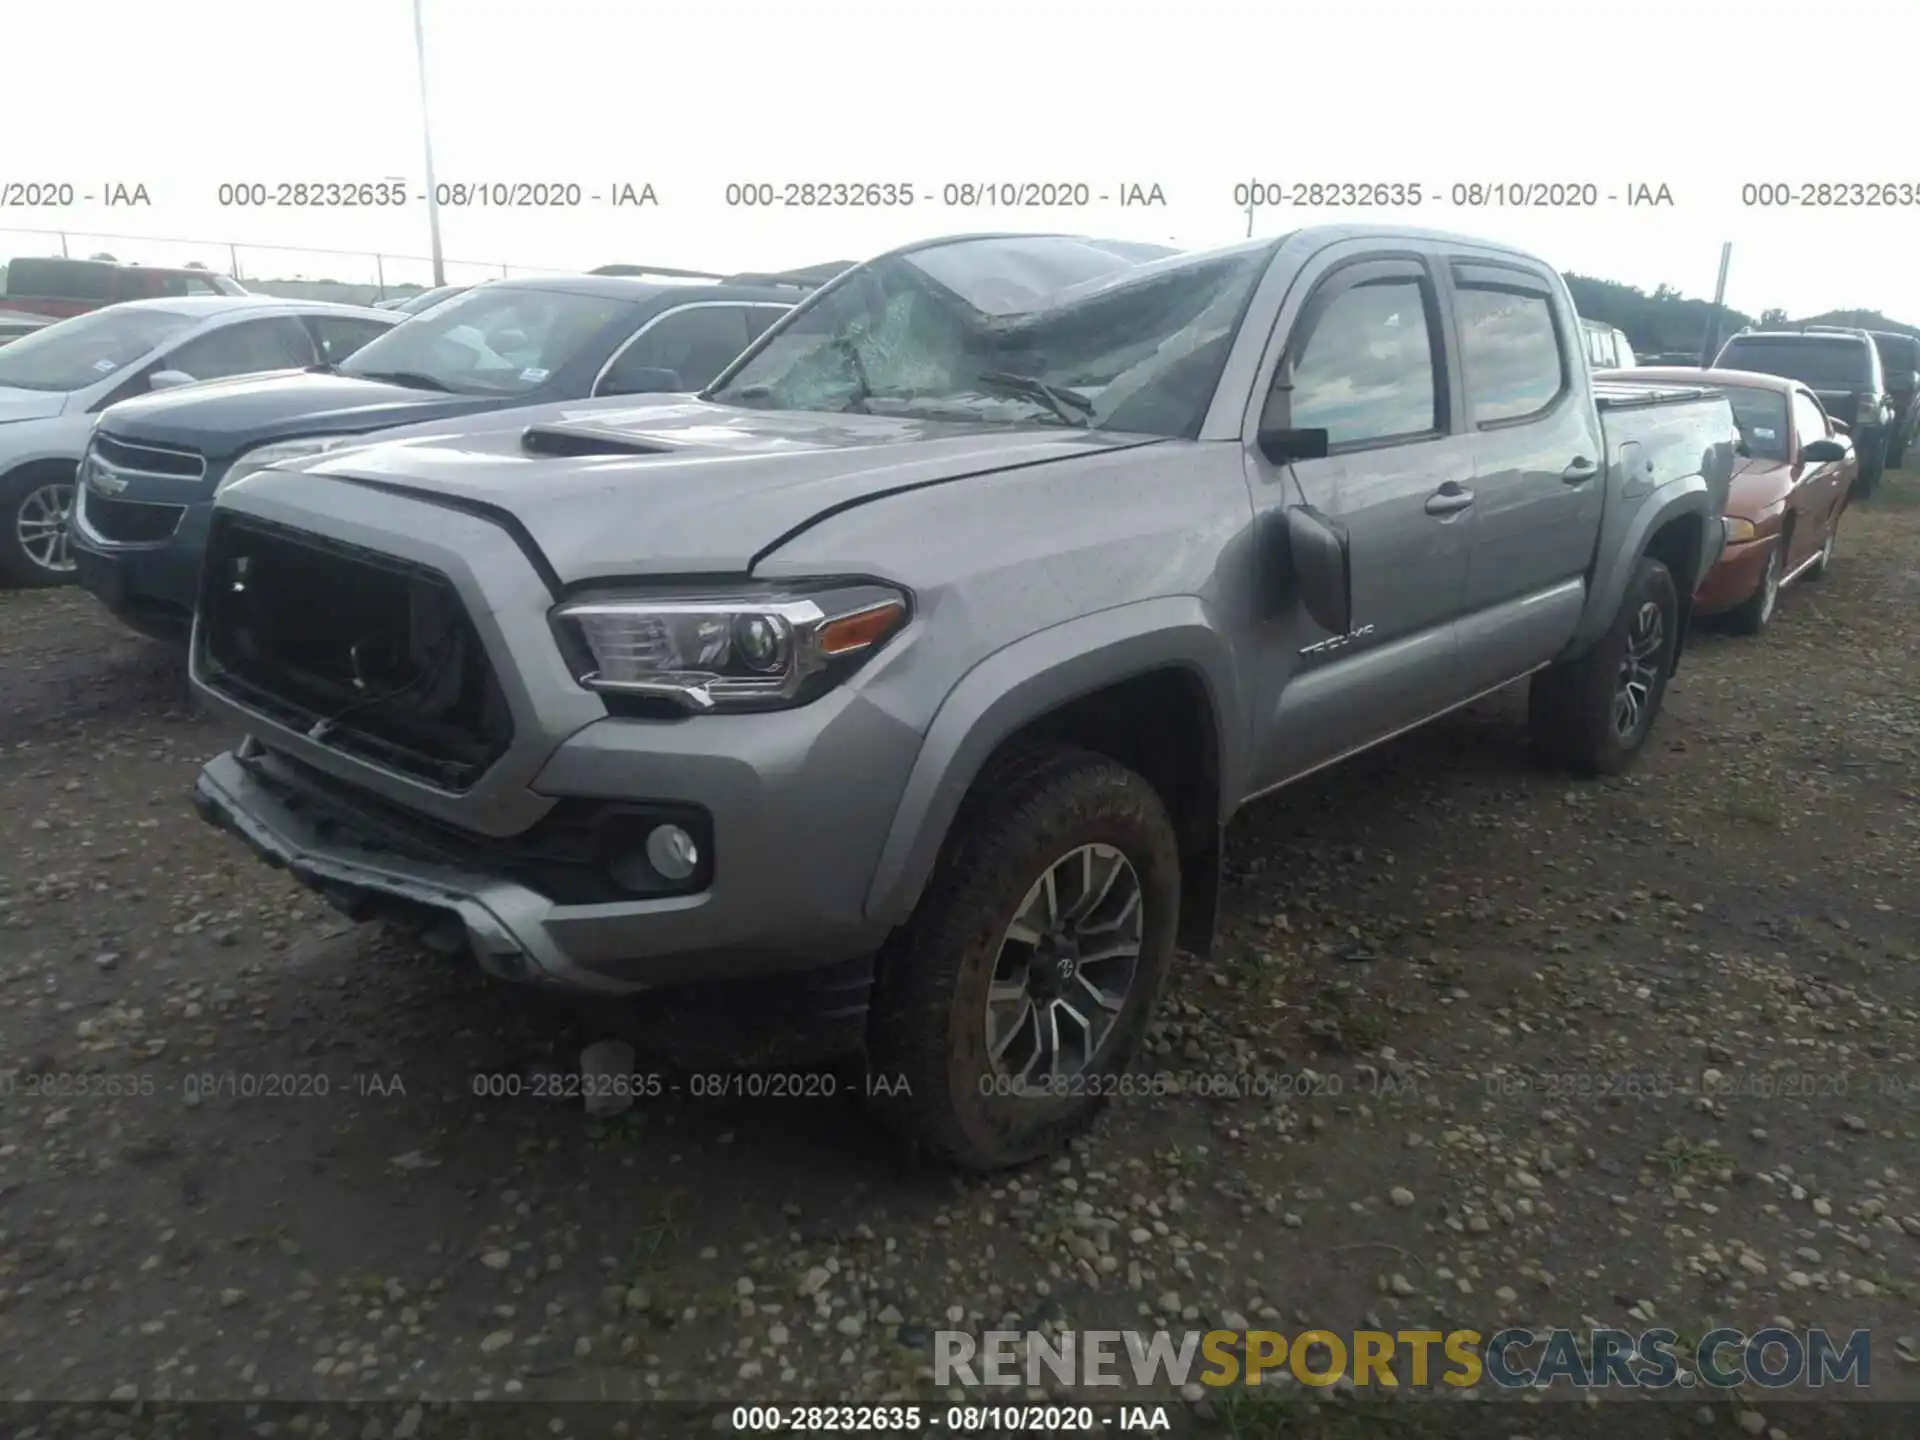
column 685, row 487
column 224, row 417
column 30, row 404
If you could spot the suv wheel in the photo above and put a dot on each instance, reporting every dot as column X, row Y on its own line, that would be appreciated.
column 34, row 549
column 1595, row 713
column 1009, row 1007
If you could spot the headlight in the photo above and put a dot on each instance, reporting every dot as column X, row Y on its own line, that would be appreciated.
column 1740, row 531
column 262, row 457
column 737, row 651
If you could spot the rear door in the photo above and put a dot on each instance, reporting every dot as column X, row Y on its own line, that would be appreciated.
column 1538, row 465
column 1362, row 355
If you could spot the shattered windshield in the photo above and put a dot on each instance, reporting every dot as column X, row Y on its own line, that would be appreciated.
column 1027, row 330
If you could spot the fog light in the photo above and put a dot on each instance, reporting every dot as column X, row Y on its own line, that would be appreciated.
column 671, row 851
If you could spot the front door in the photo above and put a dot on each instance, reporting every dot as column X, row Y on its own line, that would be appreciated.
column 1364, row 358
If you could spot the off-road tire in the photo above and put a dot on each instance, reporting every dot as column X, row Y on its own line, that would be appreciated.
column 930, row 1077
column 18, row 569
column 1753, row 614
column 1570, row 705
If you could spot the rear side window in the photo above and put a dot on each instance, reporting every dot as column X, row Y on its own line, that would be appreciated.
column 1366, row 372
column 1510, row 352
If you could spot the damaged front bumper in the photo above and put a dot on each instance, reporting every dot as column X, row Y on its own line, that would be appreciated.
column 464, row 892
column 506, row 924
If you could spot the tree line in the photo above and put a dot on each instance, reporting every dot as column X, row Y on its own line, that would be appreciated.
column 1669, row 323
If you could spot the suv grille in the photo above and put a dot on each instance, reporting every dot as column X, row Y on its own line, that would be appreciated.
column 366, row 653
column 132, row 459
column 128, row 522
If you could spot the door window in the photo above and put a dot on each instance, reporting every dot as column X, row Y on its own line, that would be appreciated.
column 278, row 343
column 1366, row 372
column 340, row 335
column 1509, row 351
column 696, row 344
column 1809, row 420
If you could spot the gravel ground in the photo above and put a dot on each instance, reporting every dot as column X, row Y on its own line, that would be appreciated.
column 1482, row 1046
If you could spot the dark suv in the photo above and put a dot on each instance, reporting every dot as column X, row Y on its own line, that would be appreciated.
column 1900, row 360
column 499, row 346
column 1840, row 366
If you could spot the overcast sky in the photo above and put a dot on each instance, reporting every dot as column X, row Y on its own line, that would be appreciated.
column 183, row 95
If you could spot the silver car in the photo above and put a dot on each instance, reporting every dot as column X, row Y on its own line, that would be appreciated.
column 55, row 382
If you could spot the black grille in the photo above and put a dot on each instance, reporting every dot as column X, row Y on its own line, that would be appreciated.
column 368, row 654
column 129, row 522
column 566, row 855
column 149, row 459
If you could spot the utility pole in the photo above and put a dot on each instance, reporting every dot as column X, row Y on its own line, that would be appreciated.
column 1710, row 346
column 426, row 136
column 1250, row 210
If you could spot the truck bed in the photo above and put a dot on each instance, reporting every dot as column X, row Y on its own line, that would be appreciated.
column 1615, row 393
column 1659, row 432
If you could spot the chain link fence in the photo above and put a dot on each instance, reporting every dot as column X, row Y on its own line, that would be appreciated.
column 353, row 276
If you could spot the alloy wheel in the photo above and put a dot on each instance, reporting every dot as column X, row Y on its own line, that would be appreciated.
column 40, row 524
column 1065, row 968
column 1639, row 674
column 1770, row 585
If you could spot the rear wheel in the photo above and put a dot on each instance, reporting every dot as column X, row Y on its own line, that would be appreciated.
column 1751, row 616
column 1009, row 1007
column 1595, row 713
column 1824, row 560
column 34, row 549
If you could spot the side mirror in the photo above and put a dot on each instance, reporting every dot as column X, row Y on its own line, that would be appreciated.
column 1282, row 444
column 1322, row 572
column 642, row 382
column 1742, row 449
column 1822, row 452
column 168, row 379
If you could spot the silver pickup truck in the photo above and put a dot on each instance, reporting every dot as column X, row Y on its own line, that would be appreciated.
column 922, row 659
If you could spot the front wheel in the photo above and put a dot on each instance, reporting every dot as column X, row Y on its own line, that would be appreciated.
column 34, row 549
column 1009, row 1006
column 1594, row 713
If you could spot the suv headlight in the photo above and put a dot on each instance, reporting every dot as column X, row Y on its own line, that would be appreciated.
column 736, row 650
column 263, row 457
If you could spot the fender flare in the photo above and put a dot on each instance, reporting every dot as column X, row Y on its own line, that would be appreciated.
column 1686, row 496
column 1022, row 682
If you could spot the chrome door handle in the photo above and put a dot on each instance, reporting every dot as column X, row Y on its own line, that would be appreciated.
column 1449, row 498
column 1580, row 471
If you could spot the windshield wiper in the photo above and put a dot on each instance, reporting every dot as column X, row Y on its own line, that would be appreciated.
column 1070, row 406
column 412, row 379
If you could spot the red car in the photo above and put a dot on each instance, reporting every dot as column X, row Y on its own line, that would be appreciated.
column 1789, row 491
column 57, row 287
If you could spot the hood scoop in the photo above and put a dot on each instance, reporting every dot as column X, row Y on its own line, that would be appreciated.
column 577, row 443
